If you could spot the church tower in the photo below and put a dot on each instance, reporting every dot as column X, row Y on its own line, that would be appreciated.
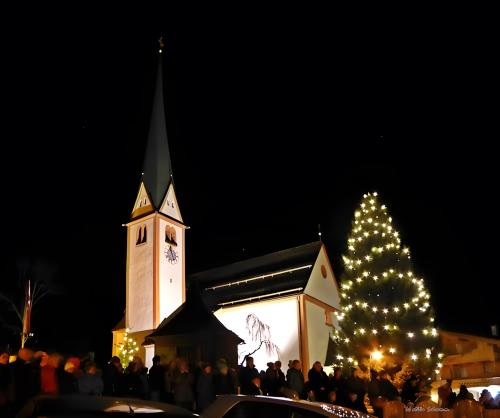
column 155, row 271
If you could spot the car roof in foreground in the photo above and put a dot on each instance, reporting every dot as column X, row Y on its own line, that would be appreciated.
column 45, row 404
column 226, row 402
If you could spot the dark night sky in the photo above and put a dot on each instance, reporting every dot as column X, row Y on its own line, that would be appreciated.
column 277, row 121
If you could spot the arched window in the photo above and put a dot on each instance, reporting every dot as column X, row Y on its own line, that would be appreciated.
column 142, row 235
column 170, row 235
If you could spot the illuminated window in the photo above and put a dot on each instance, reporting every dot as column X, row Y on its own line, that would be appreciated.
column 142, row 235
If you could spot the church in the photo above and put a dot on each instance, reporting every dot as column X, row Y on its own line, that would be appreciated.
column 279, row 306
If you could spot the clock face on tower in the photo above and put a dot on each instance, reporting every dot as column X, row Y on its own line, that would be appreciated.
column 171, row 244
column 171, row 254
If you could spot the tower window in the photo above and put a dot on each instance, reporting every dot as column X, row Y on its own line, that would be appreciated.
column 142, row 235
column 170, row 235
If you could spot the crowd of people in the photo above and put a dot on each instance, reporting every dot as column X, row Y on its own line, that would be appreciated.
column 34, row 373
column 448, row 398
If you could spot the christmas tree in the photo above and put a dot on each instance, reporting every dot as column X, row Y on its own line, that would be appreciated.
column 386, row 318
column 127, row 349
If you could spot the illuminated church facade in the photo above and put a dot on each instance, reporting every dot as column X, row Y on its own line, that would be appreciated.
column 277, row 306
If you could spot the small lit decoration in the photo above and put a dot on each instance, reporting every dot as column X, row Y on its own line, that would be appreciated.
column 127, row 349
column 384, row 303
column 377, row 355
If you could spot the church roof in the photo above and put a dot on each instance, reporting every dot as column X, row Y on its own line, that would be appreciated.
column 120, row 325
column 192, row 318
column 157, row 165
column 284, row 272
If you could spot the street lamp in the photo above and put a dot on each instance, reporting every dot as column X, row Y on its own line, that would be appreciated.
column 376, row 355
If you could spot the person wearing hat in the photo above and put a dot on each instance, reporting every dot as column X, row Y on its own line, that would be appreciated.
column 486, row 399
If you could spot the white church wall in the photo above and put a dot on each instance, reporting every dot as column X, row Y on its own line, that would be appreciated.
column 317, row 332
column 322, row 284
column 171, row 286
column 278, row 322
column 140, row 279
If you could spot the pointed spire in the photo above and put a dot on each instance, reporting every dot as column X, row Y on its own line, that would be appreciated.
column 157, row 164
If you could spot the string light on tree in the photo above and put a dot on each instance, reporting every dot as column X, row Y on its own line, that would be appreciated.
column 384, row 303
column 127, row 349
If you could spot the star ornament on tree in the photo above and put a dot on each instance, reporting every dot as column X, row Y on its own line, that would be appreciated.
column 386, row 308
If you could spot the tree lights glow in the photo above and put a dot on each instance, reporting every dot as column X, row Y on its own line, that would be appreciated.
column 127, row 349
column 383, row 303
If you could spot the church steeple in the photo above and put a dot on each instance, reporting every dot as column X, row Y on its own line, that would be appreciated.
column 157, row 164
column 157, row 189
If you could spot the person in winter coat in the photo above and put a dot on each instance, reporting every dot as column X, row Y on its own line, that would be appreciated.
column 113, row 378
column 444, row 393
column 49, row 373
column 318, row 382
column 205, row 388
column 355, row 389
column 90, row 383
column 337, row 384
column 410, row 390
column 156, row 379
column 255, row 387
column 295, row 378
column 464, row 393
column 137, row 379
column 281, row 375
column 374, row 394
column 183, row 386
column 247, row 373
column 68, row 376
column 225, row 381
column 386, row 387
column 271, row 385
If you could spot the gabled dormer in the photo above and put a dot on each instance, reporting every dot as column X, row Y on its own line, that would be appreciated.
column 143, row 203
